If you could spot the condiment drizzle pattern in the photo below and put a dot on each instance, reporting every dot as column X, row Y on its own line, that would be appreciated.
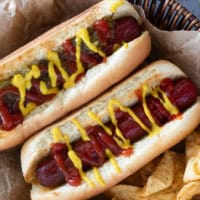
column 120, row 140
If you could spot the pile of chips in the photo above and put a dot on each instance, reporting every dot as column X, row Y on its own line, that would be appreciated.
column 171, row 176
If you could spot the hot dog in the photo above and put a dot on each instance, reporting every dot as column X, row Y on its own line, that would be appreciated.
column 68, row 66
column 112, row 137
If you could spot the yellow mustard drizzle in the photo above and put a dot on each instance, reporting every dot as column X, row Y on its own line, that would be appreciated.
column 123, row 143
column 85, row 137
column 98, row 120
column 154, row 127
column 80, row 67
column 116, row 46
column 53, row 78
column 82, row 131
column 78, row 164
column 20, row 82
column 52, row 74
column 45, row 90
column 98, row 176
column 165, row 101
column 111, row 104
column 58, row 136
column 54, row 60
column 125, row 45
column 112, row 160
column 23, row 83
column 116, row 5
column 33, row 73
column 84, row 35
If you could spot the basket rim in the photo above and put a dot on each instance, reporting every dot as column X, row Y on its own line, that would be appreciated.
column 188, row 22
column 194, row 19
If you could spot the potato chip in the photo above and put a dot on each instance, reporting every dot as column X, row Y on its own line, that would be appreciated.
column 196, row 166
column 162, row 177
column 175, row 164
column 193, row 145
column 125, row 192
column 192, row 171
column 134, row 180
column 148, row 169
column 189, row 191
column 163, row 195
column 179, row 168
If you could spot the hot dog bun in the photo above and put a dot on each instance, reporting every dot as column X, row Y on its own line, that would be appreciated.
column 96, row 80
column 36, row 148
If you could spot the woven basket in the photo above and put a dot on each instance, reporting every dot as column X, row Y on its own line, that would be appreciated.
column 168, row 15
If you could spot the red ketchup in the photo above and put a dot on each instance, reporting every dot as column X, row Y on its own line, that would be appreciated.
column 182, row 93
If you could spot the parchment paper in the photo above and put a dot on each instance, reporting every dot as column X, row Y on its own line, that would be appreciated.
column 22, row 20
column 12, row 185
column 180, row 47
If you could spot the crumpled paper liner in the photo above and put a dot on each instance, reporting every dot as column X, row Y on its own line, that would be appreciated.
column 180, row 47
column 12, row 185
column 22, row 20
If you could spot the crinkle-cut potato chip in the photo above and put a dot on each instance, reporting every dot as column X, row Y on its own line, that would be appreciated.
column 163, row 195
column 163, row 176
column 179, row 168
column 125, row 192
column 188, row 191
column 192, row 171
column 135, row 180
column 193, row 145
column 148, row 169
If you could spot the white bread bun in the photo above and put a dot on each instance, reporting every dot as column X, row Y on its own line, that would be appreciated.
column 145, row 149
column 97, row 79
